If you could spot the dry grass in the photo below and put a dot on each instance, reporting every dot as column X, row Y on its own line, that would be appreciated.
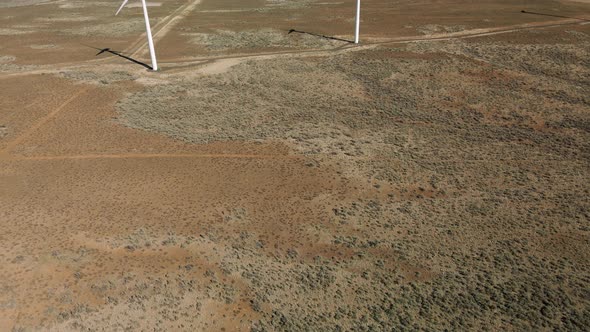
column 123, row 27
column 260, row 39
column 480, row 146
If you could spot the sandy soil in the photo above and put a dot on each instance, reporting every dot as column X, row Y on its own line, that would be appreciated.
column 432, row 178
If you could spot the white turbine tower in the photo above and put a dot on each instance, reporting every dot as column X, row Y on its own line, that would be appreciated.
column 358, row 21
column 148, row 32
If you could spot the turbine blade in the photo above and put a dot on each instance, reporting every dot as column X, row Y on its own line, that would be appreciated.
column 123, row 5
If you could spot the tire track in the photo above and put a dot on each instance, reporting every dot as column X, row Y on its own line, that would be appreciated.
column 162, row 28
column 11, row 145
column 159, row 156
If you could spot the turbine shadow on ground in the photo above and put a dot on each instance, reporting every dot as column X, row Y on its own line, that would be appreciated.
column 108, row 50
column 552, row 15
column 321, row 36
column 131, row 59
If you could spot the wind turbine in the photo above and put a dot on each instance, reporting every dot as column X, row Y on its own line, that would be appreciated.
column 358, row 21
column 148, row 32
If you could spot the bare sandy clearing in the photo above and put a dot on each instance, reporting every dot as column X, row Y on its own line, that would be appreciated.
column 219, row 66
column 86, row 4
column 43, row 46
column 12, row 32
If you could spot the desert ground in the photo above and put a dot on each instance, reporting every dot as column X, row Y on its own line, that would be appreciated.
column 274, row 176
